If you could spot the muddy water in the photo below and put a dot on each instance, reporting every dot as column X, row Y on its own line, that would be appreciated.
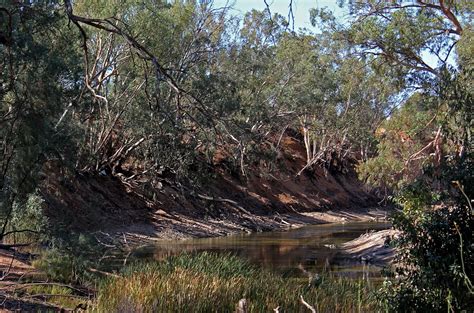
column 315, row 248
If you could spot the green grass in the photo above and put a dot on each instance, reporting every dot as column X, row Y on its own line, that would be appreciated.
column 215, row 283
column 53, row 294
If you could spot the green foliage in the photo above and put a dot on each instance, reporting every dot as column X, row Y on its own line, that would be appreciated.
column 435, row 263
column 208, row 282
column 70, row 258
column 163, row 88
column 39, row 74
column 465, row 49
column 59, row 295
column 29, row 219
column 424, row 147
column 57, row 265
column 415, row 199
column 235, row 91
column 403, row 135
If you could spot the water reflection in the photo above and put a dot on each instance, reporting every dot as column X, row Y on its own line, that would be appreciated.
column 313, row 247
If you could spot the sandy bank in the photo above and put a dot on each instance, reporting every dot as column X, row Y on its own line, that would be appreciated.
column 373, row 247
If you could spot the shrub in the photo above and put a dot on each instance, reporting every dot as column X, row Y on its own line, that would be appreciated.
column 28, row 218
column 435, row 262
column 70, row 259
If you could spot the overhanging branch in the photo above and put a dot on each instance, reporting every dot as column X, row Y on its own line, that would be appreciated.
column 110, row 25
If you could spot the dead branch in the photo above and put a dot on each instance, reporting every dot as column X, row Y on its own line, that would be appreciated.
column 20, row 231
column 17, row 286
column 16, row 245
column 51, row 295
column 41, row 304
column 242, row 306
column 432, row 144
column 218, row 199
column 306, row 304
column 93, row 270
column 110, row 25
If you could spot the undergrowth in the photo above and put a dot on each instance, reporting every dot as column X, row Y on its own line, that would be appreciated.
column 54, row 294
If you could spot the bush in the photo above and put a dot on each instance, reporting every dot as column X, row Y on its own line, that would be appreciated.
column 28, row 218
column 70, row 259
column 435, row 263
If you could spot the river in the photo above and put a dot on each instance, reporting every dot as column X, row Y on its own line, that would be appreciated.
column 314, row 248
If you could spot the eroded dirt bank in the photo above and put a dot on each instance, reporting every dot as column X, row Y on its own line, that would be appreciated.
column 161, row 208
column 140, row 211
column 228, row 203
column 104, row 204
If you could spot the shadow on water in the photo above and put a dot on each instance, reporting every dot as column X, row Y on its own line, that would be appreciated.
column 314, row 248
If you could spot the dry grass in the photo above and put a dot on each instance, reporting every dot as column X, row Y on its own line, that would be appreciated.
column 215, row 283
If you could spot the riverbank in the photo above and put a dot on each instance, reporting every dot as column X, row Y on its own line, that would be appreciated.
column 123, row 214
column 163, row 207
column 179, row 226
column 15, row 264
column 22, row 273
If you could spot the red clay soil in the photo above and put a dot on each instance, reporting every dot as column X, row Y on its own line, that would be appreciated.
column 261, row 201
column 15, row 266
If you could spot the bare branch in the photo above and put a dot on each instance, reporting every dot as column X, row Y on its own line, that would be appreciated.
column 306, row 304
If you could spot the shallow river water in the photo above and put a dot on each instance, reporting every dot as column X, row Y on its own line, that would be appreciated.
column 314, row 248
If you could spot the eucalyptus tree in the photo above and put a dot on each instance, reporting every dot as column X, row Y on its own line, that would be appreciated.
column 332, row 95
column 415, row 42
column 145, row 70
column 425, row 147
column 240, row 85
column 40, row 75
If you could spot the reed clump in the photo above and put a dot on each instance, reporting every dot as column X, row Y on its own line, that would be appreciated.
column 210, row 282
